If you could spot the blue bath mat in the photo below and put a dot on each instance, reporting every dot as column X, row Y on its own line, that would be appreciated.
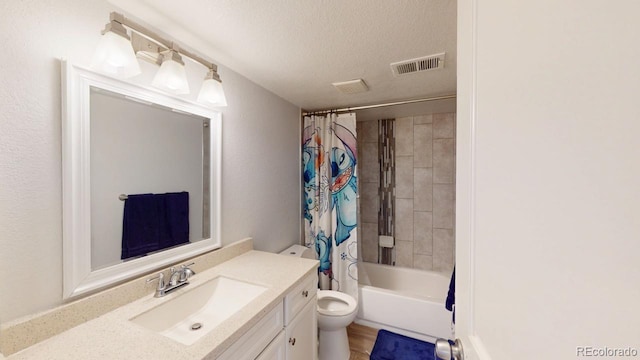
column 392, row 346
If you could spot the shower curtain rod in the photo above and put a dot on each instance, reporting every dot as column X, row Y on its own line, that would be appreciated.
column 348, row 109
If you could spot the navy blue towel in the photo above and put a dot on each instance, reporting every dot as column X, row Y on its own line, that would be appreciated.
column 176, row 220
column 451, row 295
column 153, row 222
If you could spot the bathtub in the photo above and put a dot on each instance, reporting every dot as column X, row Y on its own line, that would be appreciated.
column 405, row 301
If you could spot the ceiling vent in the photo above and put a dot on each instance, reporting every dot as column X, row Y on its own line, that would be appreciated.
column 351, row 87
column 425, row 63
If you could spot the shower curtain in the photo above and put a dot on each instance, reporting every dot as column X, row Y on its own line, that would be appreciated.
column 329, row 158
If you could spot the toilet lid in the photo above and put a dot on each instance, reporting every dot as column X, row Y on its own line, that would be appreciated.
column 334, row 303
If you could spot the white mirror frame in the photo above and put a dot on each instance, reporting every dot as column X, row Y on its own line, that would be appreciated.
column 78, row 277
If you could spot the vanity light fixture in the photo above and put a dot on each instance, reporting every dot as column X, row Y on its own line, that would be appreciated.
column 171, row 76
column 121, row 60
column 211, row 91
column 114, row 54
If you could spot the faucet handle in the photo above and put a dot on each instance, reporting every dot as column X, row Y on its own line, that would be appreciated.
column 175, row 276
column 186, row 272
column 160, row 277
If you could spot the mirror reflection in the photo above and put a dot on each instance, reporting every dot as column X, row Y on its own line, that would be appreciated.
column 149, row 178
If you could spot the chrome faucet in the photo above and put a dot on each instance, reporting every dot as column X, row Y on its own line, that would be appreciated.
column 178, row 278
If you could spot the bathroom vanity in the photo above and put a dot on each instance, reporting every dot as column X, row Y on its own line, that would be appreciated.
column 288, row 332
column 277, row 322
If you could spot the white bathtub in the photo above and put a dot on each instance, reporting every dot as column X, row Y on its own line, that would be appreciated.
column 405, row 301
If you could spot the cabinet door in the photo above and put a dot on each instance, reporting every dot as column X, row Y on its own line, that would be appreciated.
column 302, row 334
column 276, row 350
column 254, row 341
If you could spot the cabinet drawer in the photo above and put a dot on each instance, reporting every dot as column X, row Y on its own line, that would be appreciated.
column 297, row 298
column 251, row 344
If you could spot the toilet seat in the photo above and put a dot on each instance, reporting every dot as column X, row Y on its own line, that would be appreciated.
column 334, row 303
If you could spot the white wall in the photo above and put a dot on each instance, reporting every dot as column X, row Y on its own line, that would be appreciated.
column 260, row 149
column 557, row 231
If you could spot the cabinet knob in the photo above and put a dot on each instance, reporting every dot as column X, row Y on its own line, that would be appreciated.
column 305, row 293
column 292, row 341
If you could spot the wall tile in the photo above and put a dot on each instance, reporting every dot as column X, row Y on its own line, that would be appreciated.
column 367, row 131
column 370, row 242
column 368, row 167
column 404, row 253
column 369, row 202
column 422, row 262
column 404, row 177
column 387, row 178
column 443, row 161
column 404, row 219
column 404, row 136
column 422, row 232
column 424, row 193
column 423, row 119
column 422, row 145
column 368, row 153
column 423, row 189
column 443, row 250
column 443, row 206
column 443, row 126
column 387, row 214
column 368, row 172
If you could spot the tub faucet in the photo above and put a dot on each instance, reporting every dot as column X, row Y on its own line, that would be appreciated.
column 178, row 278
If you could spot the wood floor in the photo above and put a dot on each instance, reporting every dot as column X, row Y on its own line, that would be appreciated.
column 361, row 341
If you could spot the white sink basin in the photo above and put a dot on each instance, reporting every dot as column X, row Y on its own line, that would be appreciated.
column 197, row 311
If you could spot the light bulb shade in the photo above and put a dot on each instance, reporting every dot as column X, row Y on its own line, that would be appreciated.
column 114, row 56
column 171, row 77
column 212, row 93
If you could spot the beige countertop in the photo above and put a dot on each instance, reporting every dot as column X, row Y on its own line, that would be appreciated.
column 112, row 336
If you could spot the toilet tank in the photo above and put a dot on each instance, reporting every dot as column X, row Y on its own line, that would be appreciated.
column 299, row 251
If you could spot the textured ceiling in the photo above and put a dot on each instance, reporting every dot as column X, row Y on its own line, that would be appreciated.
column 297, row 48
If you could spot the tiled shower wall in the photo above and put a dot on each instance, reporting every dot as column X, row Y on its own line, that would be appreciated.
column 425, row 191
column 369, row 177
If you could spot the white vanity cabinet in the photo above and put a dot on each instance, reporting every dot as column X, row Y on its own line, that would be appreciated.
column 300, row 321
column 288, row 332
column 302, row 334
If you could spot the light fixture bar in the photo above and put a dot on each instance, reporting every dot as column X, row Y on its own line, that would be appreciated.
column 146, row 49
column 117, row 28
column 149, row 46
column 117, row 17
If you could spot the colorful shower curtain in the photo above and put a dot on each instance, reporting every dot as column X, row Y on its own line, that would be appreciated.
column 329, row 158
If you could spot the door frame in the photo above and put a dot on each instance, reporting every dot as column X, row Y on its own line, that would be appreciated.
column 465, row 180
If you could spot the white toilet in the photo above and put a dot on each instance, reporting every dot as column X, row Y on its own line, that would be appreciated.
column 336, row 311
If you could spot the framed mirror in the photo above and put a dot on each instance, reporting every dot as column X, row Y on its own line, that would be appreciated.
column 125, row 147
